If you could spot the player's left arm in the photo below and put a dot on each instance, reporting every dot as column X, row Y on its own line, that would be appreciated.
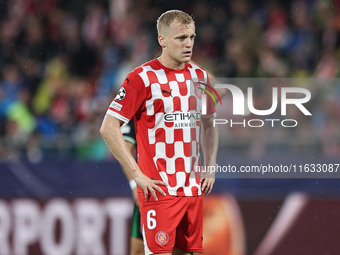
column 209, row 142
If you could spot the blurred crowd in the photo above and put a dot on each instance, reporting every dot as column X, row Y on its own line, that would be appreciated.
column 62, row 62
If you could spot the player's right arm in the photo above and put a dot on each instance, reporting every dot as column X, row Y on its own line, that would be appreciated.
column 110, row 130
column 128, row 131
column 132, row 183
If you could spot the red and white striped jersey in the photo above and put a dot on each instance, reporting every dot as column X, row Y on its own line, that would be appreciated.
column 166, row 105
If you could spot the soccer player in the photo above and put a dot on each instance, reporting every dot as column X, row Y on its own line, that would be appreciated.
column 166, row 105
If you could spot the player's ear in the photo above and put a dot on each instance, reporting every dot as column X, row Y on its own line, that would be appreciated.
column 161, row 41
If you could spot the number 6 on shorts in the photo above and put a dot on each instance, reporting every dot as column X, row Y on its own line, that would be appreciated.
column 151, row 222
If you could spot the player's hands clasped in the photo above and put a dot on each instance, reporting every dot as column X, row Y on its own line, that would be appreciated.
column 149, row 186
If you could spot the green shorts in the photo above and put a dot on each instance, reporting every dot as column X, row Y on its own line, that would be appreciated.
column 135, row 228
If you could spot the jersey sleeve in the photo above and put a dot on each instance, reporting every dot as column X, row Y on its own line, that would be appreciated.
column 129, row 98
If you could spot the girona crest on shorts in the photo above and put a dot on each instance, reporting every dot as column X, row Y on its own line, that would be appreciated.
column 162, row 237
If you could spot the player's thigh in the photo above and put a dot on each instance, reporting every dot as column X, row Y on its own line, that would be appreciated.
column 136, row 246
column 180, row 252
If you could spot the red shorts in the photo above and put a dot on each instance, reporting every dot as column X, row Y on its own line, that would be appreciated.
column 171, row 222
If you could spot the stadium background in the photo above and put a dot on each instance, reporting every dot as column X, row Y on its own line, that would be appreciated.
column 61, row 63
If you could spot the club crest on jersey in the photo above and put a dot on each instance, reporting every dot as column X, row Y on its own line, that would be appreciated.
column 162, row 237
column 121, row 94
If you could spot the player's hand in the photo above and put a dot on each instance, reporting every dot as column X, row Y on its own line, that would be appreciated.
column 149, row 186
column 207, row 183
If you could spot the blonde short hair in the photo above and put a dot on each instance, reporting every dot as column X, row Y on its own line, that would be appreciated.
column 167, row 18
